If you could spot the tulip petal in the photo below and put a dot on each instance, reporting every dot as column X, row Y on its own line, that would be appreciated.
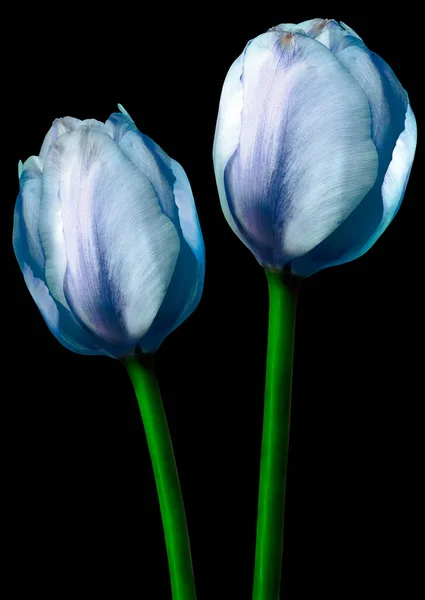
column 176, row 200
column 393, row 125
column 148, row 157
column 185, row 290
column 25, row 228
column 300, row 169
column 397, row 175
column 110, row 251
column 188, row 216
column 227, row 133
column 191, row 228
column 354, row 237
column 30, row 256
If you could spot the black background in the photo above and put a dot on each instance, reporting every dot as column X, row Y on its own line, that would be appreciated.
column 81, row 515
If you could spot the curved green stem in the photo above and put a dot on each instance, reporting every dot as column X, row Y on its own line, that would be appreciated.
column 283, row 290
column 143, row 378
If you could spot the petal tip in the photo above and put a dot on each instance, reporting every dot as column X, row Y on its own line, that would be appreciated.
column 349, row 30
column 20, row 168
column 123, row 111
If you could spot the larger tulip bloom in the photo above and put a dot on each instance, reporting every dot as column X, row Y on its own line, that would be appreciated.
column 107, row 236
column 314, row 144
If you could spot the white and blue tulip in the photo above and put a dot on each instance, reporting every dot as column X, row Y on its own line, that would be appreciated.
column 314, row 143
column 107, row 237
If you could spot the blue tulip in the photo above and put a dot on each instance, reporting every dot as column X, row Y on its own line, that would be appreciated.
column 313, row 148
column 107, row 237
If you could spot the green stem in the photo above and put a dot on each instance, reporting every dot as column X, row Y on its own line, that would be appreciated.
column 143, row 378
column 283, row 290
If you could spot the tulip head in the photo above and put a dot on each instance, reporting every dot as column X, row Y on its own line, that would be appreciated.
column 313, row 148
column 107, row 237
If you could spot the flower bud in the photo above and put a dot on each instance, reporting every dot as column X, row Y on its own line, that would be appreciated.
column 107, row 236
column 314, row 143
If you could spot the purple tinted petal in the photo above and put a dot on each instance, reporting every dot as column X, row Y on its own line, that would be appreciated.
column 106, row 240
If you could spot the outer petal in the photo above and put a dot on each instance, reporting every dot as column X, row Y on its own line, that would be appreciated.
column 397, row 175
column 176, row 199
column 152, row 161
column 300, row 169
column 26, row 236
column 30, row 256
column 188, row 216
column 187, row 283
column 227, row 133
column 389, row 110
column 109, row 248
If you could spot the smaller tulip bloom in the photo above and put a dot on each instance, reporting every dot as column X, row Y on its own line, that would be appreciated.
column 313, row 148
column 107, row 236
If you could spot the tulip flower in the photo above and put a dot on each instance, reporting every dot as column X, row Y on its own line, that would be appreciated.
column 313, row 148
column 107, row 237
column 108, row 240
